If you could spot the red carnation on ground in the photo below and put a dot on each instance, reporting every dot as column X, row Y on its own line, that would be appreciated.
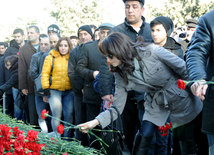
column 164, row 130
column 44, row 114
column 60, row 129
column 181, row 84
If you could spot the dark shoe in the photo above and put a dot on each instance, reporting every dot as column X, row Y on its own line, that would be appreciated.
column 141, row 145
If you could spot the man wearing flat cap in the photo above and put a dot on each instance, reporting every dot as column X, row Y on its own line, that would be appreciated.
column 191, row 26
column 133, row 26
column 88, row 68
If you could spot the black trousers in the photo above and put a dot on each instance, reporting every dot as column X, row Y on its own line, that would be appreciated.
column 33, row 117
column 92, row 110
column 9, row 105
column 188, row 139
column 130, row 120
column 80, row 117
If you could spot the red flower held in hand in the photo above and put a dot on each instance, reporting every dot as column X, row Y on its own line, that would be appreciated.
column 44, row 114
column 60, row 129
column 181, row 84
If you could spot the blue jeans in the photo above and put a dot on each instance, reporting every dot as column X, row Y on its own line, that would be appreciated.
column 19, row 114
column 210, row 138
column 159, row 144
column 40, row 105
column 61, row 102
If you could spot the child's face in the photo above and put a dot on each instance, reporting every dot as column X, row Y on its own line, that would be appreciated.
column 7, row 65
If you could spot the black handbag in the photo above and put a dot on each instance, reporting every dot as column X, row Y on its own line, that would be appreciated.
column 20, row 100
column 115, row 139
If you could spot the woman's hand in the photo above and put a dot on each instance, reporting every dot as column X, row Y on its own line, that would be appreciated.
column 88, row 125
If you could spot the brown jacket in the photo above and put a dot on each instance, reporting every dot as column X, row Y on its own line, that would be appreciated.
column 25, row 54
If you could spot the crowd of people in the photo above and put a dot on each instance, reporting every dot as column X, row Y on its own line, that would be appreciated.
column 133, row 67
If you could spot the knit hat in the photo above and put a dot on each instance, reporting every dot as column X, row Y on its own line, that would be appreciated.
column 54, row 28
column 141, row 1
column 191, row 22
column 86, row 28
column 106, row 26
column 167, row 24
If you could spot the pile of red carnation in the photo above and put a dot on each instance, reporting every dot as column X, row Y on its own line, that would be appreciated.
column 15, row 143
column 164, row 130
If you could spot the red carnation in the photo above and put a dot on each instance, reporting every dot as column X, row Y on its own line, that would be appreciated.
column 44, row 114
column 164, row 130
column 60, row 129
column 32, row 135
column 165, row 133
column 181, row 84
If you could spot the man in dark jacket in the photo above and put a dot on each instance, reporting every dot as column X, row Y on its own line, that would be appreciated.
column 133, row 26
column 85, row 35
column 26, row 85
column 3, row 47
column 15, row 44
column 191, row 26
column 162, row 27
column 199, row 60
column 88, row 68
column 41, row 99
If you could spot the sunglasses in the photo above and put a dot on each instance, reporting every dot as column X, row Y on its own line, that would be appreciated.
column 109, row 56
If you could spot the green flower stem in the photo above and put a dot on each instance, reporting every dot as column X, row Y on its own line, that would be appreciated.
column 67, row 123
column 101, row 130
column 91, row 133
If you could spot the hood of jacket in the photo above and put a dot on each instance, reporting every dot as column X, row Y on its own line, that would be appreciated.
column 172, row 44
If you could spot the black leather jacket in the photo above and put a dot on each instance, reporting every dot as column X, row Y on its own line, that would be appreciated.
column 200, row 52
column 200, row 64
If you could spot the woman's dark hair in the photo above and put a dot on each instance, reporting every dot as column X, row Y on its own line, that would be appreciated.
column 11, row 58
column 120, row 46
column 60, row 40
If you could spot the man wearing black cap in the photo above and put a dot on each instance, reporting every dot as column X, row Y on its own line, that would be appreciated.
column 53, row 28
column 85, row 35
column 162, row 27
column 191, row 26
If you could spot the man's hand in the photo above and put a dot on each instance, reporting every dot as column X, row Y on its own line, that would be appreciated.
column 108, row 98
column 25, row 91
column 199, row 89
column 45, row 99
column 88, row 125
